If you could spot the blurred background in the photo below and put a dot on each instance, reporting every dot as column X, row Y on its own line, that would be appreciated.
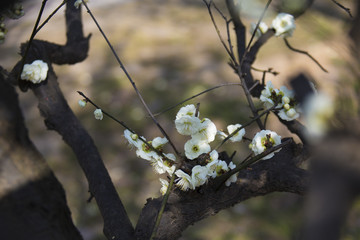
column 171, row 50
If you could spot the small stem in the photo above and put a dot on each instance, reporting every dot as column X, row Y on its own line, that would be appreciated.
column 343, row 7
column 304, row 52
column 229, row 51
column 162, row 208
column 253, row 86
column 125, row 126
column 131, row 81
column 253, row 34
column 243, row 126
column 50, row 16
column 196, row 95
column 244, row 164
column 31, row 38
column 249, row 98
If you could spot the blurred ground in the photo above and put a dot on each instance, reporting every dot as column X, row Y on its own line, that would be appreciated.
column 171, row 50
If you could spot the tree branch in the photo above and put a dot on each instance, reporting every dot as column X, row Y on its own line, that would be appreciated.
column 32, row 200
column 185, row 208
column 58, row 116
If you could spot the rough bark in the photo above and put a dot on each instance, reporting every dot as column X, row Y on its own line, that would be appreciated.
column 32, row 201
column 279, row 174
column 59, row 117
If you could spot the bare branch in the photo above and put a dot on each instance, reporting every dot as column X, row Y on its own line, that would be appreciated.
column 132, row 82
column 256, row 28
column 238, row 27
column 196, row 95
column 343, row 7
column 304, row 52
column 185, row 208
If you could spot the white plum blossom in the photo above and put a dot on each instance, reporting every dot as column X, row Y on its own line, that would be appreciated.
column 194, row 148
column 211, row 166
column 263, row 140
column 232, row 178
column 170, row 156
column 162, row 165
column 214, row 155
column 159, row 142
column 237, row 136
column 285, row 99
column 199, row 175
column 261, row 29
column 221, row 167
column 35, row 72
column 98, row 114
column 289, row 114
column 284, row 25
column 269, row 96
column 318, row 110
column 232, row 128
column 290, row 110
column 132, row 138
column 82, row 103
column 78, row 3
column 221, row 134
column 187, row 125
column 188, row 110
column 164, row 186
column 145, row 152
column 207, row 131
column 184, row 181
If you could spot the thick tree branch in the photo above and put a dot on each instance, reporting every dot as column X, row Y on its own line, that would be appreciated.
column 185, row 208
column 58, row 116
column 32, row 201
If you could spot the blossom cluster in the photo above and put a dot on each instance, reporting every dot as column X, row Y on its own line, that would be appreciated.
column 202, row 133
column 35, row 72
column 283, row 99
column 152, row 151
column 283, row 24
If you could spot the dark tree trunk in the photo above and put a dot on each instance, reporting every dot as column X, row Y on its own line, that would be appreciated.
column 32, row 201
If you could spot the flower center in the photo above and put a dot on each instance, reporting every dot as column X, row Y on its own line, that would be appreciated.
column 195, row 148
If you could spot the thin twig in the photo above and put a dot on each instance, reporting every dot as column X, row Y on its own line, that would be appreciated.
column 343, row 7
column 50, row 16
column 249, row 98
column 243, row 126
column 253, row 86
column 231, row 48
column 196, row 95
column 304, row 52
column 162, row 208
column 253, row 34
column 125, row 126
column 229, row 51
column 244, row 164
column 131, row 81
column 269, row 70
column 31, row 38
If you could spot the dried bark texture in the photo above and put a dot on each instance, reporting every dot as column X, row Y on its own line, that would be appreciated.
column 32, row 201
column 279, row 174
